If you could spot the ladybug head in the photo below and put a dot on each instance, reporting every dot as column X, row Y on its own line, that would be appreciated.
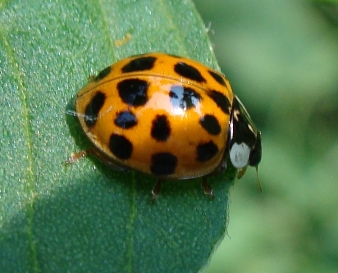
column 244, row 140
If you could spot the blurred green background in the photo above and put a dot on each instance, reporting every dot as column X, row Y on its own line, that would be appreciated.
column 282, row 60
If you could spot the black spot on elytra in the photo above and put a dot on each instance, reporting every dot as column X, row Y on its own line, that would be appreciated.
column 125, row 120
column 206, row 151
column 188, row 71
column 104, row 73
column 221, row 100
column 163, row 163
column 139, row 64
column 210, row 124
column 133, row 91
column 120, row 146
column 93, row 108
column 218, row 78
column 160, row 129
column 183, row 97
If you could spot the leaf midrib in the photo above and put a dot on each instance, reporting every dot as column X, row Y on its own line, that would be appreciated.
column 30, row 179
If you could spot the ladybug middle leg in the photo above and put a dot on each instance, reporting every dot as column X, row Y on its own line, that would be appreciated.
column 206, row 187
column 156, row 190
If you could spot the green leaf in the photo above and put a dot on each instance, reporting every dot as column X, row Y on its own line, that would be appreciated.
column 87, row 217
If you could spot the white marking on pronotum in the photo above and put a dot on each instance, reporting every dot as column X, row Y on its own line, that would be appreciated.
column 239, row 155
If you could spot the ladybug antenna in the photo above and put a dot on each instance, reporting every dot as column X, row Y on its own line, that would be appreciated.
column 258, row 180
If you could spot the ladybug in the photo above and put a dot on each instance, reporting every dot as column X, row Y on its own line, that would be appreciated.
column 166, row 116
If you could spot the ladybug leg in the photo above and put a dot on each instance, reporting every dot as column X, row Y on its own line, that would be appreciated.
column 241, row 172
column 206, row 188
column 156, row 190
column 109, row 163
column 76, row 156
